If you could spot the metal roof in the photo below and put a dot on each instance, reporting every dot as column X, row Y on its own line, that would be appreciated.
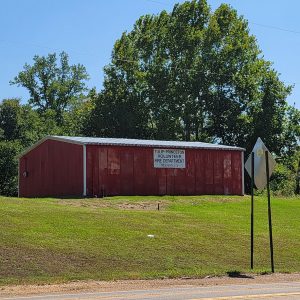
column 142, row 143
column 131, row 142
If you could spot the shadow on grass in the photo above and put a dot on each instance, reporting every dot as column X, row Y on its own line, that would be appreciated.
column 238, row 274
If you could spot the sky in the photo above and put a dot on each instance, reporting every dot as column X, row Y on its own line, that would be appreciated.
column 88, row 29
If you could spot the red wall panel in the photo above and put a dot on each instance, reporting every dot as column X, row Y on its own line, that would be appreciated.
column 116, row 170
column 227, row 175
column 54, row 169
column 236, row 172
column 126, row 163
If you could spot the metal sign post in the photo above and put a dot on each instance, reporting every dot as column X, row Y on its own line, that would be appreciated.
column 269, row 211
column 252, row 208
column 260, row 166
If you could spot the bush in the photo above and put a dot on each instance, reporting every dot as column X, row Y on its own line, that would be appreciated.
column 283, row 181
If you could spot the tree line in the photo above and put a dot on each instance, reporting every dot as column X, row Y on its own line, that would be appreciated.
column 191, row 74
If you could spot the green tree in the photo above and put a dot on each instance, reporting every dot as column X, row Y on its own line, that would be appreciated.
column 290, row 157
column 10, row 111
column 192, row 74
column 9, row 167
column 51, row 84
column 77, row 120
column 291, row 134
column 23, row 124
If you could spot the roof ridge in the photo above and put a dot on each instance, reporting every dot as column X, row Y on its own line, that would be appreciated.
column 143, row 142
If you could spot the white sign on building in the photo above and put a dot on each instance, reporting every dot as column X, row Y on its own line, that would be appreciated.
column 169, row 158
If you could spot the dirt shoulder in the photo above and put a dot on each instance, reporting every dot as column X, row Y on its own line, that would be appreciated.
column 123, row 285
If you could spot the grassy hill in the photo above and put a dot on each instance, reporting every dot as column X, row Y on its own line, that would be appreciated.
column 50, row 240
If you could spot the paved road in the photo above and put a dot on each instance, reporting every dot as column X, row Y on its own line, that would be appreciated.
column 267, row 291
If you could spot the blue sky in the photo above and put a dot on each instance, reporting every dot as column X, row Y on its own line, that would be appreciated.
column 87, row 30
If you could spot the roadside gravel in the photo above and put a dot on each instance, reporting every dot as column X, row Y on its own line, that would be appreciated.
column 126, row 285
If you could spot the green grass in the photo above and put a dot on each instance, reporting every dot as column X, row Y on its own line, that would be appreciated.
column 55, row 240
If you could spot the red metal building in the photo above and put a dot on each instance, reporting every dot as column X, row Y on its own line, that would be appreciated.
column 80, row 166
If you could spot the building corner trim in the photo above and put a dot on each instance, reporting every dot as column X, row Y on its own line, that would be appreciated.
column 18, row 177
column 243, row 173
column 84, row 170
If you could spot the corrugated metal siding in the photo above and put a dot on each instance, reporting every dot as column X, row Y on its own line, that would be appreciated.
column 113, row 170
column 54, row 169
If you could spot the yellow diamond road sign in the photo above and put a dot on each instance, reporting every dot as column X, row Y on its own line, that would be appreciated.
column 260, row 175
